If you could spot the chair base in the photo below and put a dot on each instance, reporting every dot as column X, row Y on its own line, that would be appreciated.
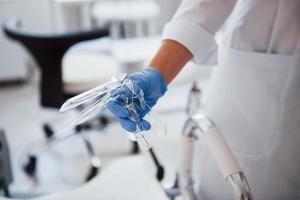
column 31, row 163
column 30, row 166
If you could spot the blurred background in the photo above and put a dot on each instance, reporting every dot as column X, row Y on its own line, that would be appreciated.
column 51, row 50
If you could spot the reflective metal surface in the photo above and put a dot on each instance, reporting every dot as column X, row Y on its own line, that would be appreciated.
column 240, row 186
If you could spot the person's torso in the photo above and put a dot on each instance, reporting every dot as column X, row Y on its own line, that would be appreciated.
column 268, row 26
column 254, row 99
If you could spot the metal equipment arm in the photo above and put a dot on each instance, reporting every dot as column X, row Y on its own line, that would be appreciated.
column 221, row 152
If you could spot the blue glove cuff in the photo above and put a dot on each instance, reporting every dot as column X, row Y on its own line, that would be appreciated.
column 157, row 77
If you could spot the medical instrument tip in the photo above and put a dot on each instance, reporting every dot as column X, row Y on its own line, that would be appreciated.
column 65, row 106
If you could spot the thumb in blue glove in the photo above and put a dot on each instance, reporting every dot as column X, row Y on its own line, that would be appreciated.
column 153, row 85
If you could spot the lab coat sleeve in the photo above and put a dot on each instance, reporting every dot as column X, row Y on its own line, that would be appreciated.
column 195, row 23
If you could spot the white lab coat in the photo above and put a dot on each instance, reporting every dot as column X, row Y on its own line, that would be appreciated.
column 254, row 96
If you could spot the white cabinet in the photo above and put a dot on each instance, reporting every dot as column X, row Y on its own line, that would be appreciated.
column 72, row 15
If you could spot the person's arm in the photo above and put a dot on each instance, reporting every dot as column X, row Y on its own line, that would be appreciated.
column 195, row 24
column 170, row 59
column 190, row 34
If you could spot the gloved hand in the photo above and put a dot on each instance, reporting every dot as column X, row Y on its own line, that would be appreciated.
column 153, row 85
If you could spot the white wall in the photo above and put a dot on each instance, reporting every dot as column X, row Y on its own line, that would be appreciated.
column 36, row 15
column 12, row 62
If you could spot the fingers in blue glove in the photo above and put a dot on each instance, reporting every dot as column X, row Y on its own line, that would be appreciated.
column 130, row 126
column 122, row 94
column 118, row 110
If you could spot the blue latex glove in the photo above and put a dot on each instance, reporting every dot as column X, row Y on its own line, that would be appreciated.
column 153, row 85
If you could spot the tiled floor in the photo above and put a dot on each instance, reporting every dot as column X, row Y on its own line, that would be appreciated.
column 66, row 165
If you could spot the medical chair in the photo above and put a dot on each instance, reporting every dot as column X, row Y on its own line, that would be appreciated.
column 126, row 178
column 129, row 177
column 47, row 51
